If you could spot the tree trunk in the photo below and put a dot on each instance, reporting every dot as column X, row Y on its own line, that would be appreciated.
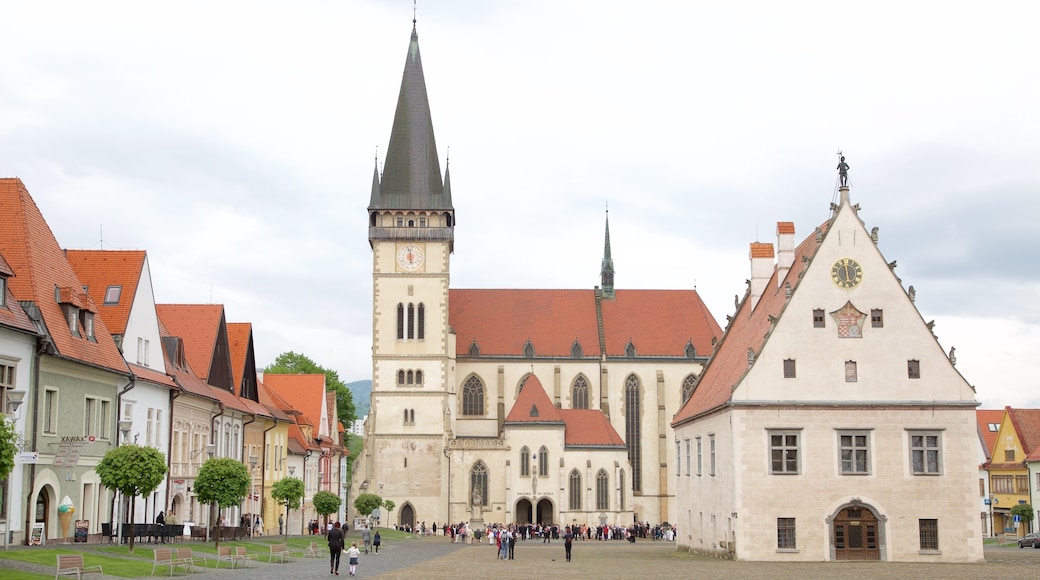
column 133, row 504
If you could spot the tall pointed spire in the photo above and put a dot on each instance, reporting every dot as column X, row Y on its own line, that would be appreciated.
column 411, row 170
column 606, row 272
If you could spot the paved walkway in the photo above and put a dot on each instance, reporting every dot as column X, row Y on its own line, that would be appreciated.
column 438, row 558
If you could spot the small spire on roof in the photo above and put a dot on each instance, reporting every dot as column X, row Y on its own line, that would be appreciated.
column 414, row 8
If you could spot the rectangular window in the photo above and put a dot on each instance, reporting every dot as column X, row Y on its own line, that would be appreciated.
column 851, row 371
column 687, row 457
column 3, row 291
column 785, row 538
column 90, row 417
column 422, row 222
column 1022, row 484
column 1003, row 483
column 789, row 369
column 6, row 376
column 87, row 323
column 112, row 294
column 678, row 460
column 104, row 414
column 855, row 452
column 1009, row 455
column 877, row 318
column 929, row 532
column 72, row 317
column 700, row 453
column 400, row 222
column 50, row 412
column 711, row 451
column 817, row 318
column 149, row 428
column 913, row 369
column 925, row 452
column 783, row 452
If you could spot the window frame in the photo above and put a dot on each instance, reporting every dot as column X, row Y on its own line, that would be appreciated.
column 784, row 448
column 849, row 466
column 913, row 369
column 928, row 534
column 786, row 534
column 819, row 318
column 474, row 397
column 877, row 318
column 525, row 461
column 602, row 490
column 790, row 368
column 924, row 451
column 700, row 456
column 574, row 490
column 711, row 448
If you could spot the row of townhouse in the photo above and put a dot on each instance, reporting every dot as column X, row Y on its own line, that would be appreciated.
column 1009, row 469
column 89, row 361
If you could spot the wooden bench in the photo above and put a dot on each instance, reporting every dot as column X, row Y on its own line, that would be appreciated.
column 279, row 551
column 312, row 551
column 224, row 555
column 166, row 557
column 72, row 565
column 242, row 556
column 192, row 560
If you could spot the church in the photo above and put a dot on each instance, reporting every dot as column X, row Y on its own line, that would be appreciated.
column 503, row 406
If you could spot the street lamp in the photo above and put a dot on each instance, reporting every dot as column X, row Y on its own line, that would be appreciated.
column 448, row 457
column 253, row 460
column 14, row 400
column 124, row 427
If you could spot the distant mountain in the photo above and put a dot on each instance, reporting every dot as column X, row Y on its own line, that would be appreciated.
column 361, row 391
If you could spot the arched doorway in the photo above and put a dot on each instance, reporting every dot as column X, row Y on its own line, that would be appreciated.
column 407, row 517
column 856, row 534
column 524, row 511
column 42, row 511
column 545, row 513
column 178, row 508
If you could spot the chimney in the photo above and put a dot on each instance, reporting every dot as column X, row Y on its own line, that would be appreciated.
column 784, row 250
column 761, row 269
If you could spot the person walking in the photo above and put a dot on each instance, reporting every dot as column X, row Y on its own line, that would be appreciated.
column 366, row 537
column 353, row 554
column 376, row 540
column 335, row 547
column 568, row 540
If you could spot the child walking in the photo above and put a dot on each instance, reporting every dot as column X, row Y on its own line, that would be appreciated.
column 353, row 553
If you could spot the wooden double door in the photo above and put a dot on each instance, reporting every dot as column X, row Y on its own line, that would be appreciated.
column 855, row 535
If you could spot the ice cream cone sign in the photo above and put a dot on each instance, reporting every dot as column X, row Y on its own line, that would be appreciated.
column 65, row 511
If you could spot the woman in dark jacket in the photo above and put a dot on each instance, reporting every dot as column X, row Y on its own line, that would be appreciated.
column 335, row 547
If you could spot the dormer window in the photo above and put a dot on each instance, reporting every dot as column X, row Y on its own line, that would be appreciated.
column 72, row 318
column 87, row 324
column 528, row 349
column 630, row 349
column 3, row 291
column 112, row 294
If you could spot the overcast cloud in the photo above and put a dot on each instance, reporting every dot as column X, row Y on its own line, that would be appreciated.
column 235, row 142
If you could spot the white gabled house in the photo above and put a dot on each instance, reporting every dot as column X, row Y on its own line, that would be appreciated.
column 829, row 423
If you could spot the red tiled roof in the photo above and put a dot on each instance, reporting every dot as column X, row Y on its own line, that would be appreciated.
column 984, row 417
column 658, row 322
column 533, row 405
column 1027, row 425
column 11, row 315
column 748, row 329
column 239, row 335
column 761, row 250
column 582, row 427
column 152, row 376
column 197, row 325
column 303, row 392
column 39, row 265
column 99, row 269
column 785, row 227
column 274, row 402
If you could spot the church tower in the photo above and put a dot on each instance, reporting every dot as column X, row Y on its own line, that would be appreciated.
column 411, row 224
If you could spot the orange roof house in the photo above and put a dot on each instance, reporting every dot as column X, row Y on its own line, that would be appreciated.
column 204, row 330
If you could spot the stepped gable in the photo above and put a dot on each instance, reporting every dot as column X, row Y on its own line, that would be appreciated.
column 748, row 329
column 99, row 269
column 533, row 406
column 43, row 276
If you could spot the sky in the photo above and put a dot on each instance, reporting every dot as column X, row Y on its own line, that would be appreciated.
column 236, row 142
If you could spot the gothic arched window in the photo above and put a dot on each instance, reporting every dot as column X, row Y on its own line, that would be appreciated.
column 418, row 377
column 543, row 461
column 602, row 490
column 688, row 385
column 633, row 429
column 421, row 322
column 411, row 321
column 400, row 321
column 575, row 490
column 478, row 482
column 621, row 488
column 525, row 462
column 400, row 377
column 580, row 393
column 576, row 351
column 473, row 397
column 411, row 377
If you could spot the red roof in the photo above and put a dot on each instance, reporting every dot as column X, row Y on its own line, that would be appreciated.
column 12, row 315
column 303, row 393
column 748, row 329
column 278, row 406
column 41, row 270
column 99, row 269
column 197, row 325
column 239, row 335
column 658, row 322
column 582, row 427
column 984, row 417
column 1027, row 425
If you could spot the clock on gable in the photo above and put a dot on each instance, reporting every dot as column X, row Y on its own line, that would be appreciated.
column 846, row 273
column 410, row 257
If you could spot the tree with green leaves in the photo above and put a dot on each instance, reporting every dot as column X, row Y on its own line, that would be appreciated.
column 291, row 363
column 366, row 503
column 389, row 506
column 8, row 447
column 1025, row 513
column 222, row 482
column 289, row 492
column 132, row 470
column 326, row 503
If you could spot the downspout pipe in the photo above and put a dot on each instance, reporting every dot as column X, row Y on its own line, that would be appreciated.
column 245, row 460
column 263, row 470
column 42, row 344
column 213, row 441
column 174, row 393
column 119, row 411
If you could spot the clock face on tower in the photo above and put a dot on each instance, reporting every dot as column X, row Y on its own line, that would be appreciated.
column 410, row 257
column 846, row 273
